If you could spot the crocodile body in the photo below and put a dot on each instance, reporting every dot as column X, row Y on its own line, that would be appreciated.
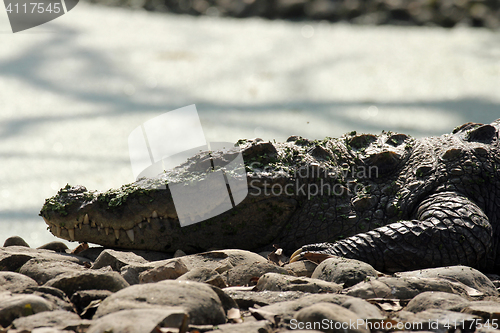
column 390, row 200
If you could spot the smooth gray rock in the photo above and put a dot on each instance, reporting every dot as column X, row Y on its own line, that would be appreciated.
column 87, row 280
column 220, row 261
column 343, row 271
column 15, row 241
column 312, row 317
column 131, row 273
column 93, row 253
column 247, row 299
column 261, row 326
column 13, row 257
column 205, row 275
column 59, row 319
column 168, row 271
column 198, row 299
column 301, row 268
column 53, row 295
column 488, row 310
column 362, row 308
column 16, row 282
column 437, row 300
column 466, row 275
column 242, row 274
column 43, row 270
column 403, row 288
column 141, row 320
column 279, row 282
column 49, row 330
column 55, row 246
column 14, row 306
column 117, row 259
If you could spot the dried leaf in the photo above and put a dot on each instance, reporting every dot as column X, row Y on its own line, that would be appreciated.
column 386, row 304
column 83, row 246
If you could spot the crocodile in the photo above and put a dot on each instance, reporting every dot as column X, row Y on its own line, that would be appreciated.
column 391, row 200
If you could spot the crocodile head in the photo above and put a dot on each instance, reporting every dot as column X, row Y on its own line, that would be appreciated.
column 142, row 215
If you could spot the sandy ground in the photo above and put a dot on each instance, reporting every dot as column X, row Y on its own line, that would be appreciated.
column 73, row 89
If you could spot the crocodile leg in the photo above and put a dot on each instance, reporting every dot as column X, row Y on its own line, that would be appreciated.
column 449, row 229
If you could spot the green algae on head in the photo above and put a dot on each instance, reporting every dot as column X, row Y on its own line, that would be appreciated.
column 64, row 198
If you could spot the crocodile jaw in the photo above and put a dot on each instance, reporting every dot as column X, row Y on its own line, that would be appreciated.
column 151, row 233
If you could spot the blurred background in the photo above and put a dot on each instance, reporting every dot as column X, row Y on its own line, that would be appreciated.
column 72, row 90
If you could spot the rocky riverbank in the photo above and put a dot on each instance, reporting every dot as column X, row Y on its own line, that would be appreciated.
column 102, row 290
column 445, row 13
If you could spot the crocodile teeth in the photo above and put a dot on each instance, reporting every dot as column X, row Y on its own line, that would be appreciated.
column 71, row 234
column 117, row 233
column 154, row 215
column 106, row 230
column 130, row 234
column 93, row 224
column 86, row 219
column 141, row 225
column 149, row 220
column 102, row 225
column 58, row 231
column 80, row 226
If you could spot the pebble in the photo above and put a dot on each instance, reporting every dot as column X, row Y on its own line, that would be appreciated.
column 198, row 299
column 55, row 246
column 344, row 271
column 437, row 300
column 59, row 319
column 16, row 282
column 43, row 270
column 15, row 241
column 279, row 282
column 403, row 288
column 72, row 282
column 479, row 283
column 127, row 320
column 101, row 290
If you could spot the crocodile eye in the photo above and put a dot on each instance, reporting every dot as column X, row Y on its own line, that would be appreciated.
column 385, row 161
column 484, row 134
column 362, row 141
column 397, row 139
column 465, row 127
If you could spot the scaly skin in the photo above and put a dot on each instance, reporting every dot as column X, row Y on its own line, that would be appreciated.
column 392, row 201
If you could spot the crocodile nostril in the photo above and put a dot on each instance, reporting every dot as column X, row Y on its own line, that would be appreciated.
column 362, row 141
column 397, row 139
